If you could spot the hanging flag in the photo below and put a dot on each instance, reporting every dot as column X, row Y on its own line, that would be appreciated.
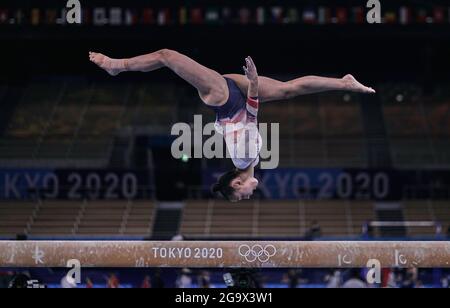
column 212, row 16
column 86, row 16
column 19, row 17
column 422, row 16
column 277, row 14
column 260, row 15
column 405, row 15
column 50, row 16
column 341, row 15
column 196, row 16
column 99, row 18
column 115, row 16
column 439, row 15
column 131, row 17
column 390, row 17
column 148, row 16
column 358, row 16
column 226, row 15
column 128, row 17
column 182, row 16
column 309, row 16
column 62, row 20
column 163, row 17
column 324, row 15
column 244, row 16
column 292, row 15
column 35, row 17
column 3, row 16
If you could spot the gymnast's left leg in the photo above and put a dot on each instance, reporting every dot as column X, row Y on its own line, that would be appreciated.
column 272, row 90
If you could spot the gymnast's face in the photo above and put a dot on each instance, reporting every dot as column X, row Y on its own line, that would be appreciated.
column 243, row 188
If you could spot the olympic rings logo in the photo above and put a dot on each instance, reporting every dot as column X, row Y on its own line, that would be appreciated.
column 257, row 252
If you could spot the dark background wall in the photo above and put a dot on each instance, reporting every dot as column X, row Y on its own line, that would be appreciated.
column 415, row 52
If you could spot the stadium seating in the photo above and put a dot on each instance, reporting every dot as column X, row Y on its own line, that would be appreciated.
column 69, row 218
column 274, row 219
column 211, row 218
column 77, row 119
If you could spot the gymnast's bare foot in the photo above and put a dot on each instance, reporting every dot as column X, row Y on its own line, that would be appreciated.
column 112, row 66
column 352, row 84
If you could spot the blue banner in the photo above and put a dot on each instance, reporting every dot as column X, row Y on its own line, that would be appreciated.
column 343, row 183
column 22, row 184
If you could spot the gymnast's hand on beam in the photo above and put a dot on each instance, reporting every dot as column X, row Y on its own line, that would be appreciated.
column 351, row 84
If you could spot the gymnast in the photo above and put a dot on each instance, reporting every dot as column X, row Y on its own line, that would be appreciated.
column 235, row 100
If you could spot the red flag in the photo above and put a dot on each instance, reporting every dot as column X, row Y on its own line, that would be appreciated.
column 358, row 15
column 439, row 15
column 196, row 16
column 422, row 16
column 341, row 15
column 244, row 16
column 86, row 16
column 3, row 16
column 148, row 16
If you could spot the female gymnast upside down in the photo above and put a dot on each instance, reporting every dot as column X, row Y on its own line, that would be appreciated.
column 225, row 95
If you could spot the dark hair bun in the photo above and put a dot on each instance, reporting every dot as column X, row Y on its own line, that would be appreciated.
column 223, row 185
column 215, row 188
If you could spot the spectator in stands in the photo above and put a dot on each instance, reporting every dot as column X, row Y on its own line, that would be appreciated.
column 146, row 283
column 419, row 285
column 355, row 281
column 445, row 282
column 392, row 280
column 292, row 278
column 157, row 281
column 315, row 231
column 387, row 278
column 89, row 283
column 367, row 231
column 5, row 278
column 204, row 280
column 21, row 281
column 410, row 279
column 113, row 282
column 448, row 232
column 67, row 282
column 184, row 280
column 334, row 281
column 178, row 238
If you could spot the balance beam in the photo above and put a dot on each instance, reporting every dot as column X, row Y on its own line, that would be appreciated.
column 215, row 254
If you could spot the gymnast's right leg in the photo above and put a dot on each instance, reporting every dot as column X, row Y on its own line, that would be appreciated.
column 211, row 86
